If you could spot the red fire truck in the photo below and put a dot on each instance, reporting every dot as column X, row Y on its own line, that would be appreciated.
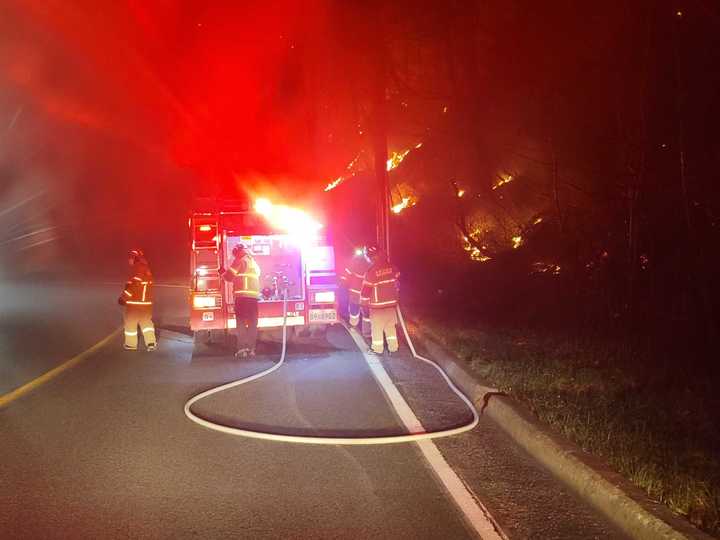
column 305, row 267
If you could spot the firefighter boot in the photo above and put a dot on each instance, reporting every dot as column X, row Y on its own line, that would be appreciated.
column 131, row 340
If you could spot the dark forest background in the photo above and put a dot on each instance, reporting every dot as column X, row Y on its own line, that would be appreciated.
column 566, row 174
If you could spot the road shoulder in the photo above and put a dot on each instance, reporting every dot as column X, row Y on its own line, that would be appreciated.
column 589, row 477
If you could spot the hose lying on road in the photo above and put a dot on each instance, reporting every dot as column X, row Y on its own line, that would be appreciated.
column 393, row 439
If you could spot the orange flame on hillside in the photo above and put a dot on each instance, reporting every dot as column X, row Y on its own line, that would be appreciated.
column 397, row 157
column 406, row 202
column 340, row 179
column 504, row 179
column 476, row 254
column 392, row 163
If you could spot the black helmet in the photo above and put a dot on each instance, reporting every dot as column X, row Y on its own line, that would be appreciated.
column 238, row 249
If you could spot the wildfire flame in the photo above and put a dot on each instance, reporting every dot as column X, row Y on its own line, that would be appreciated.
column 397, row 157
column 546, row 268
column 392, row 163
column 476, row 254
column 402, row 205
column 340, row 179
column 298, row 224
column 335, row 183
column 504, row 179
column 517, row 241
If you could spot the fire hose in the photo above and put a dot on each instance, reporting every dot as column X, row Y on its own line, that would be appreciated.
column 392, row 439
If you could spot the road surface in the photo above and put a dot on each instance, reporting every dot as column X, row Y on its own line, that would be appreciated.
column 104, row 450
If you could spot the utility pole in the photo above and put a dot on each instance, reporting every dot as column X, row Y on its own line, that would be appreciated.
column 380, row 145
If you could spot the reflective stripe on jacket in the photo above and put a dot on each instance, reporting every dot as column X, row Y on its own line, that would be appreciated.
column 353, row 277
column 138, row 289
column 245, row 275
column 379, row 287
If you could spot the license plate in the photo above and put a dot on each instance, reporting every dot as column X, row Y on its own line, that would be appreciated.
column 208, row 316
column 322, row 315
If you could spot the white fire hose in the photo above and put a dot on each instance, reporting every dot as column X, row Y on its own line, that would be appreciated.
column 393, row 439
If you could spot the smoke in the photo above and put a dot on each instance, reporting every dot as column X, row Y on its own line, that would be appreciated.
column 117, row 113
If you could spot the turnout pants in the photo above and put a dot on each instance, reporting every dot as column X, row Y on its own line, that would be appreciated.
column 246, row 317
column 382, row 323
column 138, row 316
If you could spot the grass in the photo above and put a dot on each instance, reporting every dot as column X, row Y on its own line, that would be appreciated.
column 654, row 429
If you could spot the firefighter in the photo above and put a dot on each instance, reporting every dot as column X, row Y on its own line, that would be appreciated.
column 137, row 299
column 380, row 290
column 244, row 273
column 352, row 279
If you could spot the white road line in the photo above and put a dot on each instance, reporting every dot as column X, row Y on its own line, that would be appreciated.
column 474, row 511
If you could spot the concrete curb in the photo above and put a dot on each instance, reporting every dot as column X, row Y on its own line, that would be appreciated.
column 614, row 496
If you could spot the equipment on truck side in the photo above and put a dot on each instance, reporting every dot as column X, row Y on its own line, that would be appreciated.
column 303, row 266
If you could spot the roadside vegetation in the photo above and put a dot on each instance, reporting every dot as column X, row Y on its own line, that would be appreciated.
column 653, row 426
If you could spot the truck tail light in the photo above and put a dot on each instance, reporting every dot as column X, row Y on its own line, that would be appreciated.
column 325, row 297
column 204, row 302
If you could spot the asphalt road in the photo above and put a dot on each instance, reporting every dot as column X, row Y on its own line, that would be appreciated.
column 104, row 450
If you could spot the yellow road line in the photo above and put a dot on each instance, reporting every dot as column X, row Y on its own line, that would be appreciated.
column 42, row 379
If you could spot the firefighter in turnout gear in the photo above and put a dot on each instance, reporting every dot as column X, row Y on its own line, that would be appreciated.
column 352, row 279
column 137, row 299
column 244, row 273
column 380, row 291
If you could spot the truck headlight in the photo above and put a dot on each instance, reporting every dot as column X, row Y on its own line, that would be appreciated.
column 325, row 297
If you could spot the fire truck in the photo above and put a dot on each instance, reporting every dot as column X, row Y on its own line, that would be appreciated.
column 301, row 267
